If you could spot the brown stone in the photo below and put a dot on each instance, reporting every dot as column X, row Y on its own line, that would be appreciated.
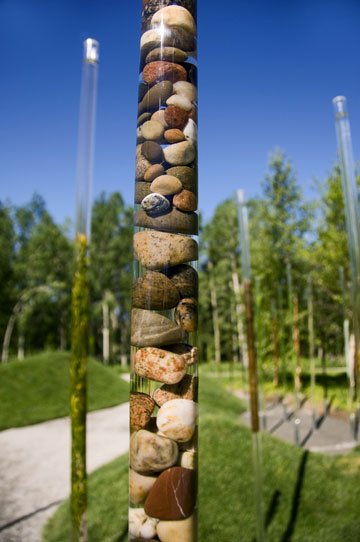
column 152, row 151
column 185, row 201
column 187, row 351
column 174, row 135
column 167, row 185
column 143, row 118
column 161, row 70
column 152, row 172
column 173, row 495
column 176, row 117
column 157, row 250
column 142, row 164
column 175, row 221
column 185, row 389
column 187, row 176
column 186, row 314
column 156, row 96
column 149, row 328
column 159, row 365
column 171, row 54
column 154, row 291
column 141, row 408
column 142, row 190
column 185, row 279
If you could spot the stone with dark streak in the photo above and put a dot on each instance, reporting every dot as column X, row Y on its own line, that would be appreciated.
column 154, row 291
column 185, row 279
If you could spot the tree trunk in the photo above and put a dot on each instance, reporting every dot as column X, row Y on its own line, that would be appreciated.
column 296, row 337
column 215, row 315
column 21, row 353
column 106, row 333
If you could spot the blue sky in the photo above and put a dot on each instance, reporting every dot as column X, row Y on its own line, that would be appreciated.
column 268, row 70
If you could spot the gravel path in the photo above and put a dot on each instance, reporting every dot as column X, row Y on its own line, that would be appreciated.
column 35, row 468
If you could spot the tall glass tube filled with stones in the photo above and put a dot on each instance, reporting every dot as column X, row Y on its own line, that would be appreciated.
column 163, row 399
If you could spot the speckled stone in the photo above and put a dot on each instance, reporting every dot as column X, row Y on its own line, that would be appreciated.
column 175, row 16
column 186, row 175
column 161, row 70
column 185, row 389
column 173, row 495
column 179, row 101
column 159, row 365
column 186, row 314
column 151, row 453
column 141, row 408
column 156, row 96
column 176, row 117
column 176, row 419
column 155, row 204
column 174, row 221
column 172, row 54
column 167, row 185
column 185, row 201
column 187, row 351
column 183, row 153
column 174, row 135
column 139, row 486
column 157, row 250
column 185, row 279
column 186, row 89
column 142, row 189
column 149, row 328
column 152, row 151
column 153, row 171
column 152, row 130
column 142, row 164
column 154, row 291
column 160, row 117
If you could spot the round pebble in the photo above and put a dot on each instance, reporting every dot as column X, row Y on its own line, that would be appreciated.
column 155, row 204
column 179, row 101
column 167, row 185
column 174, row 135
column 185, row 201
column 186, row 89
column 152, row 151
column 161, row 70
column 152, row 172
column 182, row 153
column 152, row 130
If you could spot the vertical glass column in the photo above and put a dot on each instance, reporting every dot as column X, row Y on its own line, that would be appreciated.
column 164, row 380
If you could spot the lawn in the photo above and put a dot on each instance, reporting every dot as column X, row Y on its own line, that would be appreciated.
column 37, row 389
column 308, row 497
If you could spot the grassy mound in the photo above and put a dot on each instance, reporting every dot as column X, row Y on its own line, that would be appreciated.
column 37, row 389
column 308, row 497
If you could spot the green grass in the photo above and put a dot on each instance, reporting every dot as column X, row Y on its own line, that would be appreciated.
column 37, row 389
column 308, row 497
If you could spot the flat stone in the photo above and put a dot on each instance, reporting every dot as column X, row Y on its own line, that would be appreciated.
column 183, row 530
column 141, row 408
column 142, row 190
column 160, row 117
column 185, row 280
column 186, row 314
column 152, row 130
column 154, row 291
column 186, row 89
column 174, row 221
column 186, row 175
column 155, row 170
column 190, row 131
column 176, row 117
column 161, row 70
column 185, row 201
column 155, row 204
column 140, row 525
column 171, row 54
column 159, row 365
column 175, row 16
column 139, row 486
column 173, row 496
column 176, row 419
column 149, row 328
column 163, row 36
column 178, row 154
column 179, row 101
column 185, row 389
column 174, row 135
column 187, row 351
column 156, row 96
column 142, row 164
column 181, row 38
column 157, row 250
column 143, row 118
column 152, row 151
column 167, row 185
column 151, row 453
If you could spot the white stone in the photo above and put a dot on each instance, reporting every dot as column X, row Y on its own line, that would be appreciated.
column 159, row 116
column 190, row 131
column 180, row 154
column 179, row 101
column 176, row 419
column 174, row 16
column 187, row 459
column 186, row 89
column 183, row 530
column 140, row 485
column 141, row 525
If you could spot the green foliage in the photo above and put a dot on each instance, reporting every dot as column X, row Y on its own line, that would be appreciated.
column 37, row 389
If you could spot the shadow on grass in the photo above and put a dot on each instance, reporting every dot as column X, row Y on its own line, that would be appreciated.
column 296, row 499
column 123, row 536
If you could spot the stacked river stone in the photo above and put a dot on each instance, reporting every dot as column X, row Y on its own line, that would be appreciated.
column 163, row 400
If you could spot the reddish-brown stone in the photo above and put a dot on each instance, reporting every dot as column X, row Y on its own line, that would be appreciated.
column 173, row 495
column 176, row 117
column 161, row 70
column 174, row 135
column 141, row 408
column 185, row 201
column 185, row 389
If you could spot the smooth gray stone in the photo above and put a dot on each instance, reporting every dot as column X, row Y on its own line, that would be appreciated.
column 148, row 328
